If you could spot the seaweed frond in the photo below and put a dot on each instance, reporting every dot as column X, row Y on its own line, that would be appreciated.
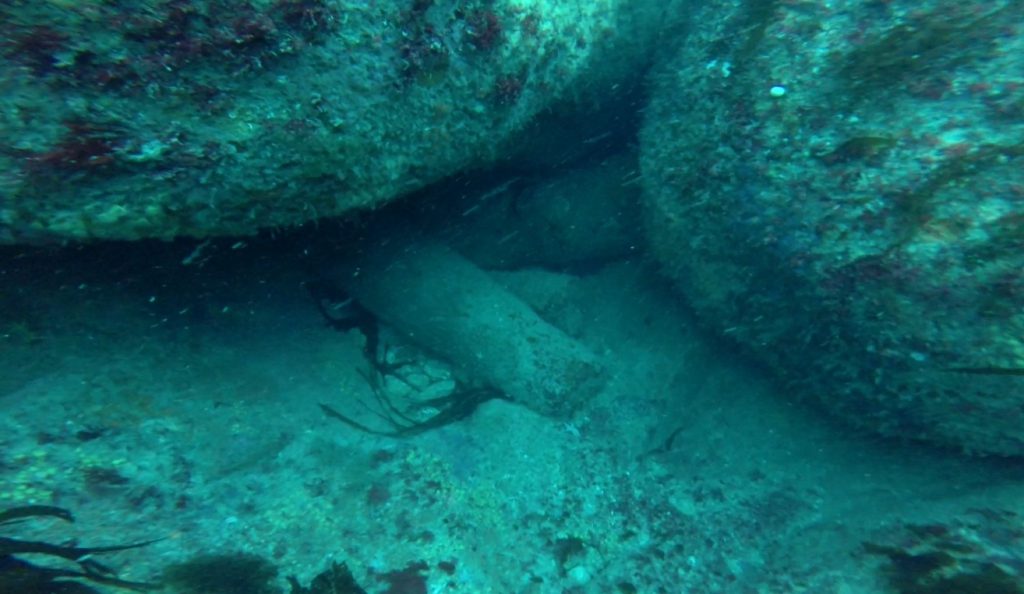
column 229, row 573
column 398, row 421
column 975, row 554
column 929, row 45
column 402, row 420
column 337, row 579
column 344, row 313
column 18, row 575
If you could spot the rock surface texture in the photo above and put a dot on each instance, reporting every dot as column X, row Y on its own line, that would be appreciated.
column 161, row 118
column 841, row 191
column 444, row 303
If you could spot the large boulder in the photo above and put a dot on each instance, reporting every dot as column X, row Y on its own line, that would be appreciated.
column 159, row 118
column 839, row 187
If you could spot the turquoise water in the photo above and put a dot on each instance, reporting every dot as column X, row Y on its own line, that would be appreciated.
column 520, row 297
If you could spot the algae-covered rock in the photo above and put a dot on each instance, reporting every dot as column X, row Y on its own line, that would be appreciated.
column 840, row 189
column 158, row 118
column 581, row 217
column 444, row 303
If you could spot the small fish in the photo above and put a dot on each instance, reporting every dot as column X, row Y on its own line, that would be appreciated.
column 498, row 189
